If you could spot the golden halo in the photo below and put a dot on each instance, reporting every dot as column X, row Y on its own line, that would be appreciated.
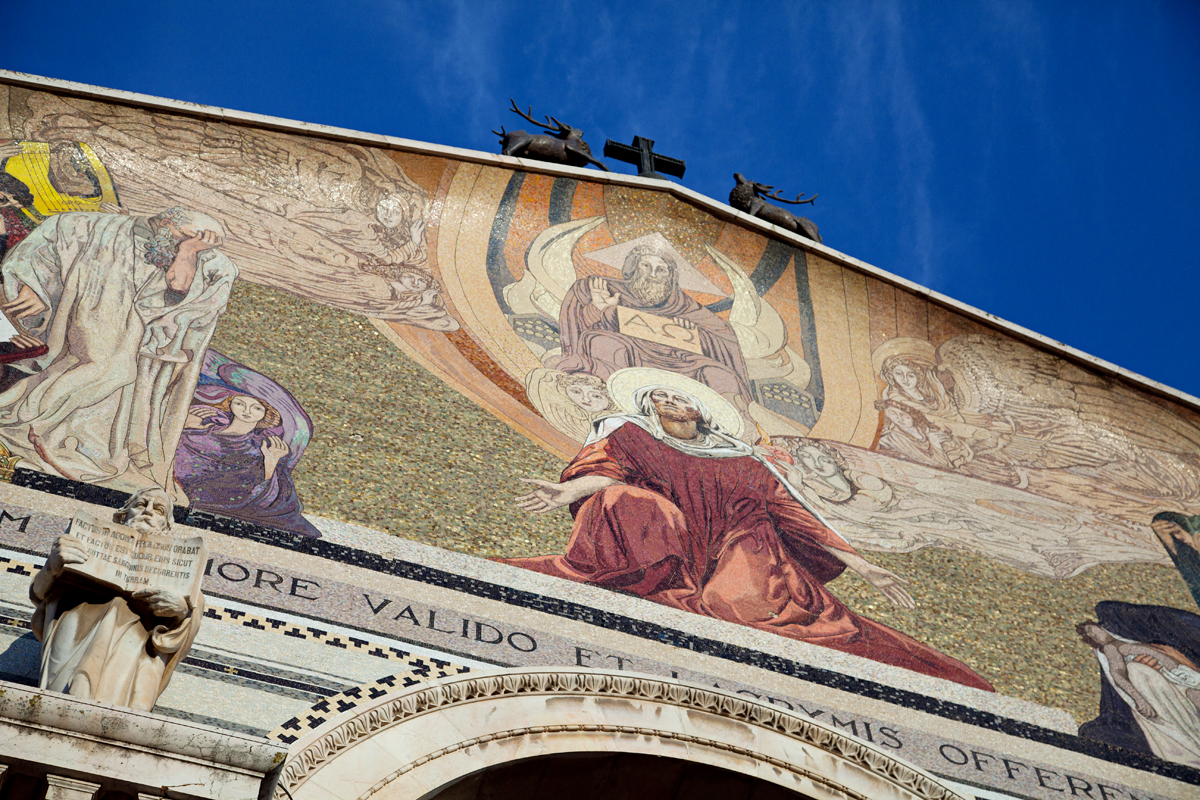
column 902, row 345
column 625, row 383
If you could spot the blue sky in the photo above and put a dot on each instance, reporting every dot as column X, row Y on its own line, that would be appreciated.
column 1038, row 160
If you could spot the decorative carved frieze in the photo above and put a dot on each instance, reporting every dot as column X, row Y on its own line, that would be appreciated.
column 311, row 754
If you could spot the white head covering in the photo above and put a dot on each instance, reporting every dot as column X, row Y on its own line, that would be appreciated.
column 711, row 441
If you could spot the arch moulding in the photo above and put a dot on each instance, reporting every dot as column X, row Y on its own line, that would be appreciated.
column 404, row 746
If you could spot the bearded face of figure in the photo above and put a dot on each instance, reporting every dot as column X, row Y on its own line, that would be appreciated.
column 653, row 280
column 675, row 406
column 149, row 512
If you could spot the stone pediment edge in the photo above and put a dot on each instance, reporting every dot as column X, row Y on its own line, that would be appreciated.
column 341, row 733
column 710, row 205
column 61, row 715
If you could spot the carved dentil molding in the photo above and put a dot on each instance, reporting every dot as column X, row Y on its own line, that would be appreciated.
column 469, row 689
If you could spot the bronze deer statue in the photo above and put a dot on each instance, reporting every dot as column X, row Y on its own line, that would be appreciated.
column 561, row 145
column 748, row 196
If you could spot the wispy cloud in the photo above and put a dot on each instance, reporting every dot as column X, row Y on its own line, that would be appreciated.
column 879, row 107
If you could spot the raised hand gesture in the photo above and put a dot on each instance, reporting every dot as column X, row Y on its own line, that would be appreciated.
column 273, row 449
column 203, row 240
column 602, row 297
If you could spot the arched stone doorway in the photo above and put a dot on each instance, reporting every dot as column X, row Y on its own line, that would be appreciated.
column 609, row 776
column 423, row 742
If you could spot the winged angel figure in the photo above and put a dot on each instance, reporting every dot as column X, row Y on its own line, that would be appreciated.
column 337, row 223
column 1001, row 449
column 1063, row 431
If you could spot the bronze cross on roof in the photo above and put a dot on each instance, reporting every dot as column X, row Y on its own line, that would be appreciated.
column 641, row 152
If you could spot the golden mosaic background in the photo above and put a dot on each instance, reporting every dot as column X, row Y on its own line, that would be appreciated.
column 396, row 449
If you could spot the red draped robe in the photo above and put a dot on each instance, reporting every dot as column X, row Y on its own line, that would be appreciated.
column 720, row 537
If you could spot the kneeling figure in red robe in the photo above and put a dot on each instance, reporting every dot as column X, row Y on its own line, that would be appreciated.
column 669, row 507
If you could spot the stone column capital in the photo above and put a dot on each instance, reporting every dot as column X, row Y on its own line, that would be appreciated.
column 62, row 788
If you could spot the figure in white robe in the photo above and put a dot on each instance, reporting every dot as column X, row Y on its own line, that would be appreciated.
column 100, row 646
column 1161, row 686
column 127, row 306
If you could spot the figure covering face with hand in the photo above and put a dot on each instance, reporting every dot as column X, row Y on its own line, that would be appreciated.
column 126, row 306
column 98, row 646
column 672, row 508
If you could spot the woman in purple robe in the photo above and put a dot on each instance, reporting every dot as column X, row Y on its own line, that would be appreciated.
column 243, row 436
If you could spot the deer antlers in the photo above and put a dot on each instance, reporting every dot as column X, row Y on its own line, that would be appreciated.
column 763, row 188
column 557, row 126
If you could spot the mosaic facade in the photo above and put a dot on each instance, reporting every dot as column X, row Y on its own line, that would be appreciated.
column 436, row 414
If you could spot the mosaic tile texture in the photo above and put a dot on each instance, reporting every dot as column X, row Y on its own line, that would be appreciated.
column 403, row 341
column 394, row 448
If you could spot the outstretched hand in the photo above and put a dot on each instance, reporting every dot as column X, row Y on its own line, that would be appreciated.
column 889, row 584
column 547, row 497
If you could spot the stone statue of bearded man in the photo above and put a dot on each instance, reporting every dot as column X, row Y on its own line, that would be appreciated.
column 100, row 645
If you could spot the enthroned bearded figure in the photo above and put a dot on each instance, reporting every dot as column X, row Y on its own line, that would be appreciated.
column 672, row 508
column 593, row 343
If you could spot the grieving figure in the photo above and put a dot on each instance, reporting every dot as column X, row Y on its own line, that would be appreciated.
column 126, row 307
column 243, row 437
column 99, row 645
column 232, row 461
column 1150, row 683
column 670, row 507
